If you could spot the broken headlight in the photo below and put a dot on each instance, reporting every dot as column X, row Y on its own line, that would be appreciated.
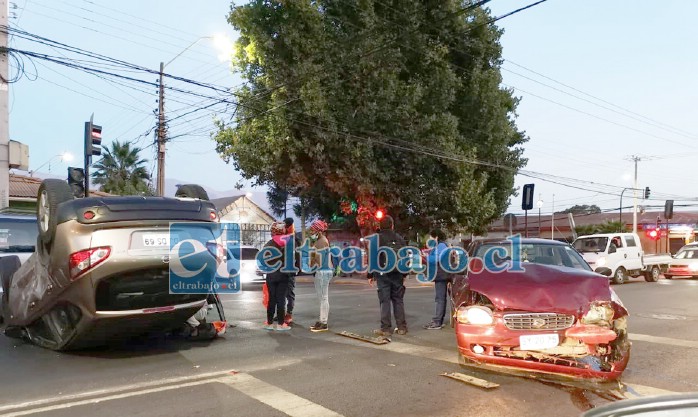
column 599, row 314
column 475, row 315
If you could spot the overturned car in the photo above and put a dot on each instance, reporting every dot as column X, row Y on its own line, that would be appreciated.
column 546, row 315
column 100, row 271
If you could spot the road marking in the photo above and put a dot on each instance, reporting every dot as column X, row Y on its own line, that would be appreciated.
column 663, row 340
column 638, row 391
column 276, row 397
column 259, row 390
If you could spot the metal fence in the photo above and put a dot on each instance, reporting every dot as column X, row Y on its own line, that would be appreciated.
column 248, row 234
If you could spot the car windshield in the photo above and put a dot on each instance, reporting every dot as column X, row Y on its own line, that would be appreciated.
column 540, row 253
column 18, row 235
column 591, row 244
column 690, row 253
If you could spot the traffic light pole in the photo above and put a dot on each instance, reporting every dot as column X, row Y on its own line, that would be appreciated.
column 4, row 110
column 88, row 153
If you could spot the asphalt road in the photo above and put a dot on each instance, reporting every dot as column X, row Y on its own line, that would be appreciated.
column 252, row 372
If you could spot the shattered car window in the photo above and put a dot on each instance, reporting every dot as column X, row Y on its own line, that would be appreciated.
column 591, row 244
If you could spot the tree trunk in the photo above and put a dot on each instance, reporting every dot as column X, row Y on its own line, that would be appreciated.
column 303, row 231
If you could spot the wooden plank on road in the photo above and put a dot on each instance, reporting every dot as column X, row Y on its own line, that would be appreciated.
column 471, row 380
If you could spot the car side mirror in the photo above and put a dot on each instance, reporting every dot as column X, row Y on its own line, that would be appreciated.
column 604, row 271
column 612, row 249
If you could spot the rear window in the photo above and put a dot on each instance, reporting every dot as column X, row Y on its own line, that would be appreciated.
column 18, row 235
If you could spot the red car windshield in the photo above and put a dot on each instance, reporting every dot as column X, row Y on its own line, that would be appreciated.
column 540, row 253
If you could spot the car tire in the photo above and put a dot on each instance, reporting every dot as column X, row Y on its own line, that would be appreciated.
column 653, row 274
column 668, row 276
column 619, row 276
column 52, row 192
column 192, row 191
column 8, row 266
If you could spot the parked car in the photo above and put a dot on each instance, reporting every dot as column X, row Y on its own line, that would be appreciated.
column 100, row 271
column 242, row 260
column 684, row 264
column 622, row 253
column 556, row 318
column 18, row 233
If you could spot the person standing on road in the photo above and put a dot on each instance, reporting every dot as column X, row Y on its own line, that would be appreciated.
column 277, row 281
column 324, row 273
column 441, row 278
column 391, row 284
column 291, row 292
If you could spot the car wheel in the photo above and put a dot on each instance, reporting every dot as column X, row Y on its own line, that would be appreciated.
column 52, row 192
column 618, row 276
column 192, row 191
column 653, row 274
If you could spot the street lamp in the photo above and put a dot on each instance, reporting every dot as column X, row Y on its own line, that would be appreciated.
column 161, row 133
column 65, row 157
column 539, row 204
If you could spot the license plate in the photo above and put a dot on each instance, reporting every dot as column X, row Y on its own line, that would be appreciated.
column 538, row 341
column 157, row 240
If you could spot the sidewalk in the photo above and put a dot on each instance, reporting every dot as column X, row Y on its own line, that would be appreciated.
column 360, row 279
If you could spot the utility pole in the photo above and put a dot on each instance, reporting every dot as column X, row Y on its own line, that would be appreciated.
column 552, row 221
column 160, row 189
column 635, row 159
column 4, row 110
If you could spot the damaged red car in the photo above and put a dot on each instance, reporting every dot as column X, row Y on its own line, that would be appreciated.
column 546, row 313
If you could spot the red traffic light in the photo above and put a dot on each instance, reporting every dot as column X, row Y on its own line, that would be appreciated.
column 379, row 214
column 653, row 234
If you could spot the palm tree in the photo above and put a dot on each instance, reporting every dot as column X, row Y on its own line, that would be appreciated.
column 121, row 171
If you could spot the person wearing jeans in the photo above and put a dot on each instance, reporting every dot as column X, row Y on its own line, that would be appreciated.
column 323, row 274
column 440, row 277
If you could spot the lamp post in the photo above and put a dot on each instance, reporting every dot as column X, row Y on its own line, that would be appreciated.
column 65, row 157
column 539, row 204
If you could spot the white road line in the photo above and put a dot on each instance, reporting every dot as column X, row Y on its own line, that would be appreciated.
column 114, row 390
column 259, row 390
column 276, row 397
column 663, row 340
column 638, row 391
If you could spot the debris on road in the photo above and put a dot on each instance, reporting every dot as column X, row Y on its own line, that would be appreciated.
column 471, row 380
column 374, row 340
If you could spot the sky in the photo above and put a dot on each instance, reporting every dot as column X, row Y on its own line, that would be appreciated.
column 599, row 81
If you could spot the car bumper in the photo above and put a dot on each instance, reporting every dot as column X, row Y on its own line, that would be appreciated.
column 681, row 271
column 575, row 357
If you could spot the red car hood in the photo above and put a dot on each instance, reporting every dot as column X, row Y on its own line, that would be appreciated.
column 542, row 288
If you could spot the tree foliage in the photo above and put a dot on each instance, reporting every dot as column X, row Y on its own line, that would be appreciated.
column 395, row 104
column 583, row 209
column 121, row 171
column 606, row 227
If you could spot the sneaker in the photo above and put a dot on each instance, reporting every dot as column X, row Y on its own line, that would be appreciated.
column 401, row 332
column 315, row 326
column 320, row 327
column 268, row 326
column 434, row 326
column 288, row 318
column 382, row 333
column 283, row 328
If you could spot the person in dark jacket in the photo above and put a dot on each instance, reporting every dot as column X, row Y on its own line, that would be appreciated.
column 277, row 281
column 291, row 292
column 441, row 278
column 391, row 285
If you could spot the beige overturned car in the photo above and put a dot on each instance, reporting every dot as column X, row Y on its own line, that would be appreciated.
column 100, row 271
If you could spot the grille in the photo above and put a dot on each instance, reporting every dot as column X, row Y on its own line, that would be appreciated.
column 538, row 321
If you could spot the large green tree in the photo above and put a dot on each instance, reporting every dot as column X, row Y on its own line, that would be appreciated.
column 121, row 171
column 396, row 104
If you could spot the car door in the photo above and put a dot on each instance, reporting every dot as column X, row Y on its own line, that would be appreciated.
column 617, row 253
column 633, row 251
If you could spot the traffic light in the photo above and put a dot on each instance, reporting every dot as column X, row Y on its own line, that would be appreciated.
column 93, row 140
column 653, row 234
column 380, row 214
column 527, row 197
column 76, row 180
column 669, row 209
column 647, row 193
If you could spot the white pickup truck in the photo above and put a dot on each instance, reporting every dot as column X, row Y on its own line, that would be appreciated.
column 622, row 253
